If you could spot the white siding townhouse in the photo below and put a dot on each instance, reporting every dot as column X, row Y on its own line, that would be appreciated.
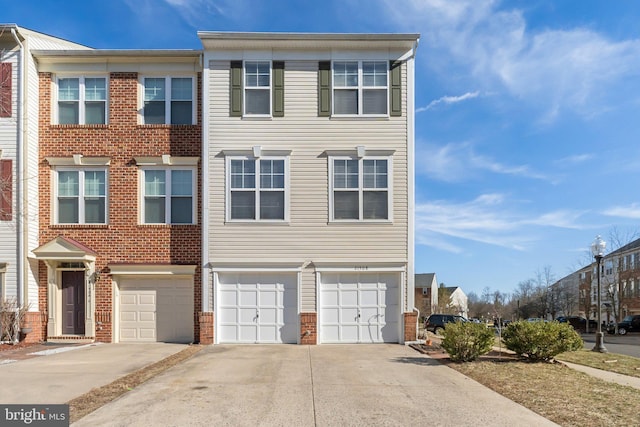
column 308, row 154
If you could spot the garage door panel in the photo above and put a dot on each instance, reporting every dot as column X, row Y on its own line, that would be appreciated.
column 247, row 333
column 147, row 316
column 148, row 298
column 156, row 309
column 349, row 333
column 359, row 307
column 128, row 299
column 349, row 297
column 247, row 315
column 268, row 334
column 268, row 297
column 263, row 307
column 269, row 315
column 228, row 297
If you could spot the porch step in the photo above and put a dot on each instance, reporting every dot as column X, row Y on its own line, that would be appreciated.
column 70, row 339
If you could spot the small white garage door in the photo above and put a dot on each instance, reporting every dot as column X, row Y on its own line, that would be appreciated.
column 257, row 308
column 156, row 309
column 359, row 307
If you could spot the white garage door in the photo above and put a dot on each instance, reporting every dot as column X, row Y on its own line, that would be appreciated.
column 257, row 308
column 156, row 309
column 359, row 307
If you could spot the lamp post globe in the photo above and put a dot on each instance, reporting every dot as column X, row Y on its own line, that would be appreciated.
column 597, row 249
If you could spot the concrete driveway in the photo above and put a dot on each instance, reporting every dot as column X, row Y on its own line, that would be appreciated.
column 60, row 377
column 325, row 385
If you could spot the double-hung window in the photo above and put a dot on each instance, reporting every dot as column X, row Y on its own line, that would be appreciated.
column 82, row 100
column 360, row 88
column 168, row 195
column 360, row 188
column 257, row 88
column 81, row 196
column 257, row 189
column 169, row 100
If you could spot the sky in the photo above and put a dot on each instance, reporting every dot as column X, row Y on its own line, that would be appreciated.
column 527, row 113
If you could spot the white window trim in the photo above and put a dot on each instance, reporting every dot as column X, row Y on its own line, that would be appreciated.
column 81, row 102
column 256, row 189
column 361, row 189
column 360, row 88
column 81, row 205
column 245, row 88
column 166, row 169
column 167, row 100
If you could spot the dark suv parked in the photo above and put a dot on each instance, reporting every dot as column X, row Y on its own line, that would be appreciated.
column 628, row 324
column 578, row 323
column 435, row 323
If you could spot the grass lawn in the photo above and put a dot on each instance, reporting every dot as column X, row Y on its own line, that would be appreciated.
column 559, row 393
column 618, row 363
column 555, row 391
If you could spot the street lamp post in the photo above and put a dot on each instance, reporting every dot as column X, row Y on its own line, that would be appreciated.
column 597, row 249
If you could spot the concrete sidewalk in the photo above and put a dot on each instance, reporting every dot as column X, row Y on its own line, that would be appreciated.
column 62, row 376
column 605, row 375
column 326, row 385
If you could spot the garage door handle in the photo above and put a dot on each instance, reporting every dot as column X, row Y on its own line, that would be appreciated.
column 257, row 313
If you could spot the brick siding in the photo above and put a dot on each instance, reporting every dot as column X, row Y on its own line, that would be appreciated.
column 122, row 240
column 308, row 328
column 410, row 325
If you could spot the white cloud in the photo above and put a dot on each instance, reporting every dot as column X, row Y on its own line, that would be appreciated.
column 489, row 219
column 576, row 159
column 631, row 211
column 456, row 162
column 555, row 70
column 448, row 100
column 198, row 13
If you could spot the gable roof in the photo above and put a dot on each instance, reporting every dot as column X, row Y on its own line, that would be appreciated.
column 424, row 280
column 628, row 247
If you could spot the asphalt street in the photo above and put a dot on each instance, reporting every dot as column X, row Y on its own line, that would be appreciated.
column 628, row 344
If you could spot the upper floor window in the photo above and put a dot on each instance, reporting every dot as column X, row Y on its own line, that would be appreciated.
column 82, row 100
column 169, row 100
column 168, row 195
column 360, row 87
column 257, row 189
column 81, row 196
column 257, row 87
column 360, row 188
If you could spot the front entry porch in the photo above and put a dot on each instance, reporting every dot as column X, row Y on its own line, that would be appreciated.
column 70, row 289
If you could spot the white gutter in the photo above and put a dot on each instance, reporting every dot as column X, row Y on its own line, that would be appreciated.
column 19, row 174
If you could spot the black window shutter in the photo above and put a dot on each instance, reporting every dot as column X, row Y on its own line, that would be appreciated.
column 324, row 88
column 395, row 80
column 278, row 89
column 235, row 95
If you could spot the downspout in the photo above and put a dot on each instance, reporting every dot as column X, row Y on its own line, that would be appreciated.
column 411, row 184
column 19, row 184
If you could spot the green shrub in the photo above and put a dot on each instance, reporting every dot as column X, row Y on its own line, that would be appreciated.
column 466, row 341
column 541, row 341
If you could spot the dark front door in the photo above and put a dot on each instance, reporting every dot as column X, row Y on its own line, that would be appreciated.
column 73, row 302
